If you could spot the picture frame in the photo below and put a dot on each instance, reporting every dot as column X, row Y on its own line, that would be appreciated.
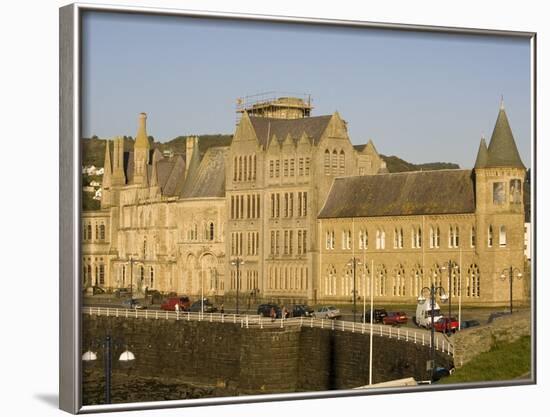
column 70, row 212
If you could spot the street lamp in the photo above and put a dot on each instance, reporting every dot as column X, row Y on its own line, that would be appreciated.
column 508, row 273
column 107, row 345
column 450, row 266
column 433, row 290
column 353, row 263
column 237, row 262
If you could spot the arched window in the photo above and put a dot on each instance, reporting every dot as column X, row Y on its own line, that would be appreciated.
column 123, row 276
column 342, row 162
column 363, row 239
column 490, row 236
column 381, row 280
column 455, row 280
column 399, row 281
column 334, row 162
column 89, row 228
column 473, row 237
column 398, row 238
column 327, row 162
column 502, row 236
column 235, row 164
column 240, row 168
column 473, row 282
column 151, row 277
column 436, row 275
column 211, row 231
column 417, row 278
column 330, row 281
column 141, row 275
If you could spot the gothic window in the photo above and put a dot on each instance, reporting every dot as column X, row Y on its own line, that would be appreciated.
column 455, row 280
column 271, row 168
column 453, row 236
column 499, row 193
column 490, row 236
column 151, row 277
column 417, row 280
column 327, row 162
column 240, row 177
column 278, row 205
column 292, row 161
column 245, row 168
column 334, row 162
column 515, row 191
column 101, row 274
column 304, row 241
column 277, row 240
column 301, row 167
column 330, row 280
column 211, row 231
column 436, row 275
column 399, row 281
column 381, row 280
column 285, row 168
column 308, row 162
column 398, row 238
column 473, row 282
column 363, row 239
column 380, row 239
column 291, row 205
column 290, row 241
column 473, row 237
column 254, row 167
column 342, row 162
column 502, row 236
column 277, row 168
column 304, row 204
column 97, row 232
column 235, row 164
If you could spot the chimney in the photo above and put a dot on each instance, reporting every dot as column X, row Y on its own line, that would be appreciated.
column 141, row 138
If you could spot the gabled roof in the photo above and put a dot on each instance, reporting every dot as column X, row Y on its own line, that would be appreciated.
column 401, row 194
column 208, row 180
column 266, row 127
column 502, row 150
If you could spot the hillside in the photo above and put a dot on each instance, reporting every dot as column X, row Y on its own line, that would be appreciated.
column 93, row 150
column 396, row 164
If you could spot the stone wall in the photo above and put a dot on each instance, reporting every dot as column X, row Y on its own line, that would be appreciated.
column 254, row 360
column 471, row 342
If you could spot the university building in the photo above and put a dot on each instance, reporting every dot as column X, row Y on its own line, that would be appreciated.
column 302, row 212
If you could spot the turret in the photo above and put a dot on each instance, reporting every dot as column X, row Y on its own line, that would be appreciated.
column 141, row 152
column 499, row 176
column 118, row 176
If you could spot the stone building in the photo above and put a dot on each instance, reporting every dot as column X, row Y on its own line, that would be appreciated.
column 291, row 200
column 458, row 229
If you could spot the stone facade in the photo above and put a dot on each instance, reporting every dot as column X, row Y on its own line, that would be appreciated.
column 179, row 223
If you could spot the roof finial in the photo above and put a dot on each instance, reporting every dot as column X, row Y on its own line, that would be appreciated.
column 501, row 102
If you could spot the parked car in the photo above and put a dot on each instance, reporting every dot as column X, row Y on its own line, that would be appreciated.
column 302, row 310
column 170, row 303
column 395, row 318
column 378, row 315
column 264, row 310
column 206, row 305
column 122, row 292
column 469, row 323
column 133, row 304
column 446, row 325
column 328, row 312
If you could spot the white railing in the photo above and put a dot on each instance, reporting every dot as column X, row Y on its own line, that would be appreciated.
column 417, row 336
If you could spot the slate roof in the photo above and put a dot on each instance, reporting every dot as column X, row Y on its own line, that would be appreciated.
column 481, row 160
column 209, row 179
column 502, row 150
column 266, row 127
column 401, row 194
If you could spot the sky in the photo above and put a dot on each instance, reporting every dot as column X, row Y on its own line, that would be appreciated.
column 422, row 96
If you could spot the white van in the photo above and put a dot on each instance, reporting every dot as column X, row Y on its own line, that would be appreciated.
column 424, row 314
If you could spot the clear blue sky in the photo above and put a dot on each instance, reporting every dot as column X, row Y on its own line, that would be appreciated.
column 421, row 96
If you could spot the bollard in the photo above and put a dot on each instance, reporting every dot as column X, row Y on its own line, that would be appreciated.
column 422, row 339
column 415, row 337
column 136, row 313
column 261, row 322
column 311, row 322
column 188, row 316
column 210, row 317
column 126, row 313
column 247, row 322
column 353, row 327
column 389, row 333
column 145, row 313
column 407, row 336
column 116, row 312
column 234, row 318
column 156, row 314
column 398, row 333
column 332, row 325
column 322, row 324
column 282, row 323
column 107, row 311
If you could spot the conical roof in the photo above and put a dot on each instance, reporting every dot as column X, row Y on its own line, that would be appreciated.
column 482, row 154
column 502, row 151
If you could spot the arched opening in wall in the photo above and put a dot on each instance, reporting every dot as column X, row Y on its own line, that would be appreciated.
column 334, row 169
column 211, row 231
column 151, row 277
column 327, row 162
column 455, row 280
column 342, row 162
column 330, row 280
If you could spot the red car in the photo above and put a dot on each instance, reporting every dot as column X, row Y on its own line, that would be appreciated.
column 395, row 318
column 446, row 325
column 170, row 303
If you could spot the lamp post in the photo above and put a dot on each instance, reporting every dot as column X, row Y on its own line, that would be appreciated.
column 107, row 345
column 450, row 266
column 508, row 273
column 237, row 262
column 433, row 290
column 353, row 263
